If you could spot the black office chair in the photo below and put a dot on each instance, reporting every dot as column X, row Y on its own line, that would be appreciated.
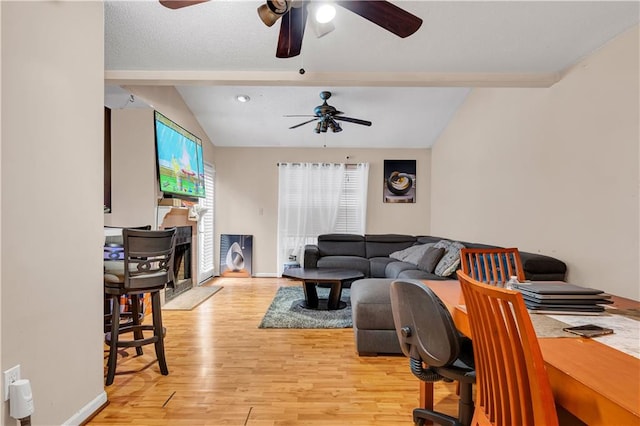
column 147, row 268
column 436, row 349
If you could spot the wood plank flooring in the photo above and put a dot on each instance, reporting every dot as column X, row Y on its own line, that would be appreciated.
column 224, row 370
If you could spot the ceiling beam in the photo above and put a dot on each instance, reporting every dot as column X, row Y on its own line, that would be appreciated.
column 308, row 78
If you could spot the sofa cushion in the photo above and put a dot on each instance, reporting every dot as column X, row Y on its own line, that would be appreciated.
column 377, row 266
column 417, row 274
column 393, row 269
column 426, row 239
column 371, row 304
column 381, row 245
column 430, row 259
column 451, row 259
column 341, row 245
column 345, row 262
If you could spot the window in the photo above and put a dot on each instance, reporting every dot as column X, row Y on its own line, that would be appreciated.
column 205, row 227
column 316, row 199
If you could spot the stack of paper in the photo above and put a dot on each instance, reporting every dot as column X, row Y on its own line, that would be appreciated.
column 559, row 296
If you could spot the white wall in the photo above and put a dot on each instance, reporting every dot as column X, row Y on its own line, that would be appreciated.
column 247, row 194
column 51, row 196
column 551, row 170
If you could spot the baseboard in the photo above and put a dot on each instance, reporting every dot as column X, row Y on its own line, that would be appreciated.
column 266, row 275
column 88, row 410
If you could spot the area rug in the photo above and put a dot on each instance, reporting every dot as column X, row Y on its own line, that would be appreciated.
column 191, row 298
column 286, row 311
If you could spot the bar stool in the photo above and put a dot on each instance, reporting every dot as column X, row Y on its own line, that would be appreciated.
column 146, row 269
column 113, row 261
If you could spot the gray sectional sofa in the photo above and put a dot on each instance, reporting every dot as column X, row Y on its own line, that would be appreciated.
column 377, row 257
column 369, row 254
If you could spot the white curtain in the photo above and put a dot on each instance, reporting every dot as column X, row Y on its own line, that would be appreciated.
column 316, row 199
column 308, row 204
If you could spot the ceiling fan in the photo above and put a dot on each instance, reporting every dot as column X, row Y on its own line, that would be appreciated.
column 294, row 18
column 327, row 117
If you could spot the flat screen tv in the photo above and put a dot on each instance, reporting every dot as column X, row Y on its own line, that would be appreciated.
column 179, row 159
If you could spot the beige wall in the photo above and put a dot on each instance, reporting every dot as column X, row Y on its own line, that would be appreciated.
column 564, row 161
column 51, row 196
column 168, row 101
column 133, row 169
column 247, row 194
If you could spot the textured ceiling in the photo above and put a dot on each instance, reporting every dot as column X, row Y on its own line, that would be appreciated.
column 409, row 88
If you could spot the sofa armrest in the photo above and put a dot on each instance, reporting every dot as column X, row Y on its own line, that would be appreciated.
column 311, row 256
column 538, row 264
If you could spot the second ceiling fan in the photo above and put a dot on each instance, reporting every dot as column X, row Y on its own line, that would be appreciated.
column 294, row 18
column 327, row 117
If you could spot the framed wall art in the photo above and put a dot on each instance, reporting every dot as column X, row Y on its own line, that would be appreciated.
column 235, row 255
column 399, row 184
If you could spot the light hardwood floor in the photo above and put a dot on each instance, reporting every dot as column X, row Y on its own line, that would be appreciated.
column 224, row 370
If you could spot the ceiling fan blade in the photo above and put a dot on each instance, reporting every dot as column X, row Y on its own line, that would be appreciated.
column 300, row 115
column 352, row 120
column 291, row 32
column 385, row 14
column 177, row 4
column 303, row 123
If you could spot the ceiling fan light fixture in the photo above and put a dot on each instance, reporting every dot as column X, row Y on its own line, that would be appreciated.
column 273, row 10
column 325, row 13
column 320, row 29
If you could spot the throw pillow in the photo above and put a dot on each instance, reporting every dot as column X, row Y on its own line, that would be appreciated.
column 451, row 259
column 411, row 254
column 417, row 253
column 430, row 259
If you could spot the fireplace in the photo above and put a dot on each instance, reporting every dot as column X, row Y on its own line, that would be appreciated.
column 181, row 264
column 186, row 251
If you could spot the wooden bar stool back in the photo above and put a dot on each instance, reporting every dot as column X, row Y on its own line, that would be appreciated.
column 147, row 269
column 113, row 260
column 512, row 383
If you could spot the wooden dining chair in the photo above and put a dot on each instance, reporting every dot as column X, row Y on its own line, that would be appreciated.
column 512, row 383
column 493, row 266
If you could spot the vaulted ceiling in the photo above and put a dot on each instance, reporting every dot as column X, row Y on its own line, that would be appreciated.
column 408, row 87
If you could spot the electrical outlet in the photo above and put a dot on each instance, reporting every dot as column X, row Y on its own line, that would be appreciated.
column 10, row 376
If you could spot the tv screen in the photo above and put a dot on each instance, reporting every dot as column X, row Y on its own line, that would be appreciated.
column 179, row 158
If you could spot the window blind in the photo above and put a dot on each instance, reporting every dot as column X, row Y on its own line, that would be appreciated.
column 206, row 227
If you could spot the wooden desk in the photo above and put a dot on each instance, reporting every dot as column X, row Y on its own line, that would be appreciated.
column 594, row 382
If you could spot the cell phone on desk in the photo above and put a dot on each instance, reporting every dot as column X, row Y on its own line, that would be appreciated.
column 589, row 330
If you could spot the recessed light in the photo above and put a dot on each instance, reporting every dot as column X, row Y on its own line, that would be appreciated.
column 243, row 98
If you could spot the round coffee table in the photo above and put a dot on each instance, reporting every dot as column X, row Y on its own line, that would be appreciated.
column 335, row 277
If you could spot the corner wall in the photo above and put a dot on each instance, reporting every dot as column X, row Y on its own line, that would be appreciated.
column 51, row 193
column 551, row 170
